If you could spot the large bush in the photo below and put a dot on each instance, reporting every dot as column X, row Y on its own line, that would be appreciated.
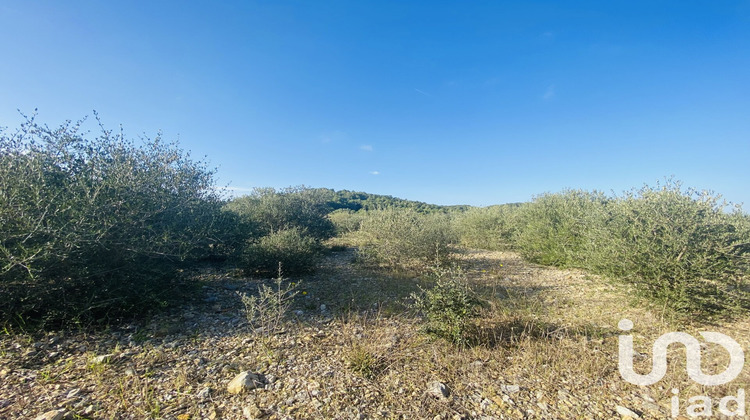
column 295, row 252
column 94, row 229
column 404, row 238
column 555, row 229
column 677, row 246
column 269, row 210
column 347, row 221
column 490, row 228
column 285, row 226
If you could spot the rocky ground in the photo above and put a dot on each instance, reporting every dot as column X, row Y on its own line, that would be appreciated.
column 351, row 349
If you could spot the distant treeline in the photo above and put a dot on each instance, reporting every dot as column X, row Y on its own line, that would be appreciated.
column 357, row 200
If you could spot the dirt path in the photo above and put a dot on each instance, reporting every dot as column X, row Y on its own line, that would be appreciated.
column 550, row 352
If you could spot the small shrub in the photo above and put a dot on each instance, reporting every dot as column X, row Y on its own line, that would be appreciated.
column 364, row 362
column 404, row 238
column 266, row 310
column 296, row 252
column 449, row 305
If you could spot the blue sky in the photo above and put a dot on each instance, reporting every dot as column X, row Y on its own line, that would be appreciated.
column 444, row 102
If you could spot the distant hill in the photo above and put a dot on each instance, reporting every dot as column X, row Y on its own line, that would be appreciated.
column 357, row 200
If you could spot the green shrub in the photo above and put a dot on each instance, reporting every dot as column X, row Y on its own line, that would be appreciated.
column 491, row 228
column 96, row 229
column 347, row 221
column 364, row 362
column 449, row 305
column 677, row 246
column 404, row 238
column 296, row 252
column 269, row 211
column 555, row 229
column 267, row 310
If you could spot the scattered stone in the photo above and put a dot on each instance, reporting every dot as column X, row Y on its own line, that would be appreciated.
column 301, row 396
column 510, row 389
column 252, row 412
column 105, row 358
column 245, row 381
column 204, row 393
column 52, row 415
column 209, row 350
column 323, row 308
column 653, row 408
column 626, row 412
column 213, row 414
column 438, row 389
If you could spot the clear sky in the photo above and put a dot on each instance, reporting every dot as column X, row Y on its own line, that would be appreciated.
column 445, row 102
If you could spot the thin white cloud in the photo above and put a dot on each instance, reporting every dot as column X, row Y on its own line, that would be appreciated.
column 550, row 93
column 366, row 147
column 374, row 173
column 422, row 92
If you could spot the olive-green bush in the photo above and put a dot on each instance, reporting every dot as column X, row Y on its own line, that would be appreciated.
column 555, row 229
column 269, row 210
column 491, row 228
column 283, row 226
column 449, row 304
column 404, row 238
column 676, row 246
column 95, row 229
column 347, row 221
column 296, row 252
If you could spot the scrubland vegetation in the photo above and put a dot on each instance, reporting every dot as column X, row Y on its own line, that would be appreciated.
column 676, row 246
column 97, row 229
column 98, row 232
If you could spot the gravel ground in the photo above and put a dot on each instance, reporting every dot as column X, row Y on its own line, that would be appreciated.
column 351, row 350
